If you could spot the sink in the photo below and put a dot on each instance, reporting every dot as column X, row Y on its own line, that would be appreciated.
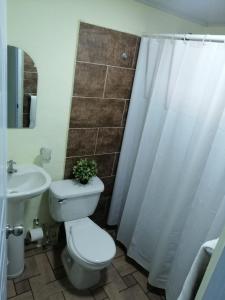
column 28, row 182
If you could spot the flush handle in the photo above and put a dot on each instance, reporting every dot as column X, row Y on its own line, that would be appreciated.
column 61, row 201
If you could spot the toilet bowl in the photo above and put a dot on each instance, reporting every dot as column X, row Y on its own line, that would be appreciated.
column 89, row 248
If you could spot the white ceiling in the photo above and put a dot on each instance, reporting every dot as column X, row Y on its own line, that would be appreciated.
column 207, row 12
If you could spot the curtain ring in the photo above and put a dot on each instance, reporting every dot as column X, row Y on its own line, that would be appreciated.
column 185, row 38
column 204, row 39
column 173, row 38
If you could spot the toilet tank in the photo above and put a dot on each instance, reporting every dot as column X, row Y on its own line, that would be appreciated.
column 70, row 200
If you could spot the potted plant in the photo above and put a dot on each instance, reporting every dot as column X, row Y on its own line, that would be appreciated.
column 84, row 170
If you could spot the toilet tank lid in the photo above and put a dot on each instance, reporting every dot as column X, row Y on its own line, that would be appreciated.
column 62, row 189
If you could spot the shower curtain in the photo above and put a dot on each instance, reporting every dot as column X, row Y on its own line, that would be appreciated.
column 3, row 177
column 169, row 194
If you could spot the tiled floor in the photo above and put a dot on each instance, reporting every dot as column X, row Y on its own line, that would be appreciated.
column 44, row 279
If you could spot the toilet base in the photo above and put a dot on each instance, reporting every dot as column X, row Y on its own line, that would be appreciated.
column 80, row 277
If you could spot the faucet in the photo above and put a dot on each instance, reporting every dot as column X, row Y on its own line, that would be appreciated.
column 10, row 168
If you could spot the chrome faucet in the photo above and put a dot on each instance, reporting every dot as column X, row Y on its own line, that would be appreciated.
column 10, row 168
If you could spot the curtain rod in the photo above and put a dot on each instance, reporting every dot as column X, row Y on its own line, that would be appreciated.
column 191, row 37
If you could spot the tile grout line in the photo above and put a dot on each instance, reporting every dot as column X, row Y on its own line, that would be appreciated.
column 104, row 87
column 121, row 277
column 14, row 286
column 30, row 255
column 110, row 176
column 104, row 65
column 63, row 295
column 97, row 154
column 114, row 161
column 108, row 127
column 96, row 142
column 93, row 295
column 82, row 128
column 131, row 273
column 19, row 283
column 32, row 276
column 128, row 287
column 122, row 121
column 31, row 288
column 99, row 98
column 50, row 265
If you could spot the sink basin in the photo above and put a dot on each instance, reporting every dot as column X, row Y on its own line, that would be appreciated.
column 29, row 181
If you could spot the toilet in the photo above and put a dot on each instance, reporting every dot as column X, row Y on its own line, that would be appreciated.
column 89, row 248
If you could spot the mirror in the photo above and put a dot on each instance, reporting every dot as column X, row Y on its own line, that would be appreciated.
column 22, row 89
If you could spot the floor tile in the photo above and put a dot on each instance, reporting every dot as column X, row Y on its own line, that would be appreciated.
column 22, row 286
column 99, row 293
column 42, row 291
column 119, row 251
column 44, row 268
column 142, row 280
column 123, row 266
column 30, row 269
column 46, row 278
column 111, row 275
column 32, row 252
column 129, row 280
column 32, row 249
column 77, row 295
column 59, row 273
column 152, row 296
column 25, row 296
column 54, row 257
column 134, row 293
column 112, row 291
column 57, row 296
column 112, row 232
column 10, row 289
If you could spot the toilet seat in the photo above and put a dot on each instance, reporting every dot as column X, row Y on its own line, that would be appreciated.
column 89, row 242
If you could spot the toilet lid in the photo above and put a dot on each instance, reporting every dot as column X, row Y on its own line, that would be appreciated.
column 91, row 242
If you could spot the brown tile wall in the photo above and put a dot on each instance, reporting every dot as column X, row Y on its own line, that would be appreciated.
column 102, row 89
column 30, row 87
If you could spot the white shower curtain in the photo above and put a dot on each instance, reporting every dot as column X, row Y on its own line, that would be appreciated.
column 170, row 186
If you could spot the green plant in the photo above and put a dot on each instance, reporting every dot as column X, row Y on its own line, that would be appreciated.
column 84, row 169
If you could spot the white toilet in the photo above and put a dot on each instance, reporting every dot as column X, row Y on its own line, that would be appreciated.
column 89, row 248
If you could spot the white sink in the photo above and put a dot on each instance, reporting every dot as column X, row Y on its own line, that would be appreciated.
column 29, row 181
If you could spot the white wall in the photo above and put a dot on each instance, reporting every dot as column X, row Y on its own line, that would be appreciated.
column 211, row 268
column 47, row 30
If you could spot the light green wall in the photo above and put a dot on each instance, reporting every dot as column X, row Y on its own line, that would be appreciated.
column 48, row 30
column 215, row 30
